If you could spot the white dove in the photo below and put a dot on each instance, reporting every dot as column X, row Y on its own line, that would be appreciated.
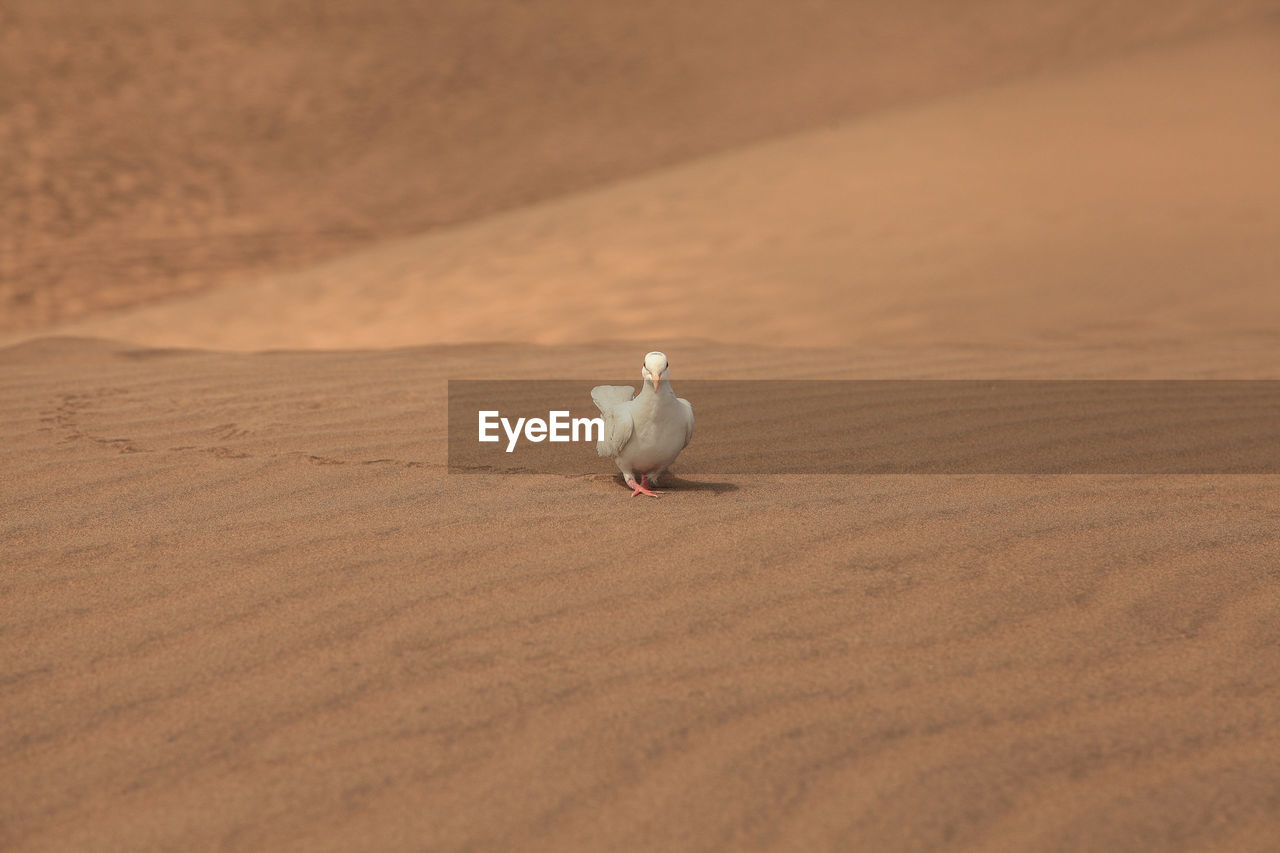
column 644, row 435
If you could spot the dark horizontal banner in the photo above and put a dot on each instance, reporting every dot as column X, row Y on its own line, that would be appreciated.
column 890, row 427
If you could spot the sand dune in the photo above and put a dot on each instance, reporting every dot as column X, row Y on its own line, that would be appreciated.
column 247, row 607
column 1087, row 208
column 154, row 149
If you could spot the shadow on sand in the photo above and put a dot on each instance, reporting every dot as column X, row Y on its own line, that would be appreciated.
column 673, row 483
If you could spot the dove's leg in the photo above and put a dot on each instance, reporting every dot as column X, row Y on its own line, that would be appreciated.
column 641, row 488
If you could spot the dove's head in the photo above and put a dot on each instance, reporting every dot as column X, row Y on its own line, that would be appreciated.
column 654, row 369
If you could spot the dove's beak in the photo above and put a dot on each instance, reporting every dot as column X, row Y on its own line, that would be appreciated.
column 657, row 378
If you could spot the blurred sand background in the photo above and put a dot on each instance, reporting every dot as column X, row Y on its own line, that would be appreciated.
column 243, row 247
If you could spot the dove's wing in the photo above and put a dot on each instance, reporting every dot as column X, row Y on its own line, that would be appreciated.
column 611, row 400
column 618, row 427
column 686, row 411
column 607, row 396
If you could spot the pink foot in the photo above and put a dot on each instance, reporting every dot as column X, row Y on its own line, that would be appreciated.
column 642, row 487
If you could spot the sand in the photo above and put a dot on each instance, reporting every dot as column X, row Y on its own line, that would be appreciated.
column 1089, row 207
column 155, row 149
column 246, row 606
